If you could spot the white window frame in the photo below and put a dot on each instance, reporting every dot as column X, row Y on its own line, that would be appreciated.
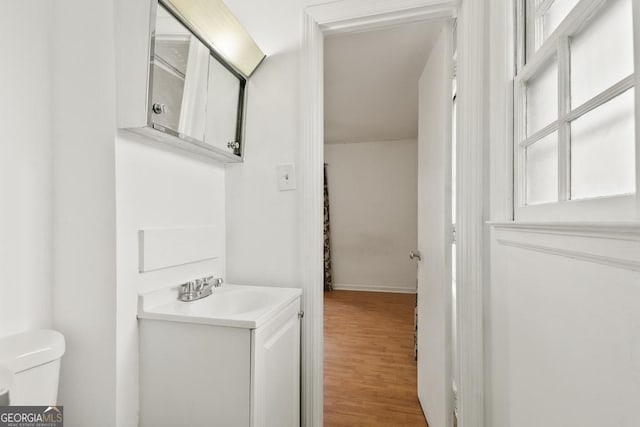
column 612, row 208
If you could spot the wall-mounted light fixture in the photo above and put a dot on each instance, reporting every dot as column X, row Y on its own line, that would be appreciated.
column 213, row 21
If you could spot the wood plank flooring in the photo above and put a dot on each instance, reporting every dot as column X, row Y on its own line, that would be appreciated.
column 369, row 369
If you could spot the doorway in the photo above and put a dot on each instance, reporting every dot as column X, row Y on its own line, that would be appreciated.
column 372, row 117
column 353, row 15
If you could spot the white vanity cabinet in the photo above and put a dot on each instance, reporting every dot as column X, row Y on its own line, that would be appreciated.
column 275, row 377
column 197, row 374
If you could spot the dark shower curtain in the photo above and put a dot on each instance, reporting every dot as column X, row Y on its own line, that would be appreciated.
column 328, row 279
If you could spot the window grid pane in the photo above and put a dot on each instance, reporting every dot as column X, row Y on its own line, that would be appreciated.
column 602, row 53
column 603, row 150
column 541, row 166
column 544, row 16
column 542, row 97
column 554, row 14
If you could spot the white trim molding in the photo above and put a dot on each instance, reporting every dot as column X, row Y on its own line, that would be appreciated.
column 172, row 246
column 603, row 230
column 356, row 15
column 310, row 213
column 606, row 230
column 473, row 202
column 636, row 62
column 617, row 262
column 612, row 244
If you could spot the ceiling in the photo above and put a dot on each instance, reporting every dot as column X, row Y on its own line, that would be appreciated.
column 371, row 82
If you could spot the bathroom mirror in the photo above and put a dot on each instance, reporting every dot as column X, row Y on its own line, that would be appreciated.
column 224, row 106
column 194, row 95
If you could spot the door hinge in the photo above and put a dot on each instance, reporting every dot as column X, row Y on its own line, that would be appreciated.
column 455, row 408
column 453, row 233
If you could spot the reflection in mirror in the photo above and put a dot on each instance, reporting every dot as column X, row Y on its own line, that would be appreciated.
column 179, row 78
column 223, row 108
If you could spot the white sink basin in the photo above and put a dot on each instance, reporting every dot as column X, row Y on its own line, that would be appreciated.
column 230, row 305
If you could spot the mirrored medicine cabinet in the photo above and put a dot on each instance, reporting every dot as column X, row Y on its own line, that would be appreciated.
column 195, row 90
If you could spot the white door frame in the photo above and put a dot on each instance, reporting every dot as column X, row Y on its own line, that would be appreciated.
column 353, row 15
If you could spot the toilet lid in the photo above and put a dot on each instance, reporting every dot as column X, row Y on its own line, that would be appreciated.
column 30, row 349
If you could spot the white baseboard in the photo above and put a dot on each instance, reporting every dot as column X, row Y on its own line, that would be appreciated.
column 374, row 288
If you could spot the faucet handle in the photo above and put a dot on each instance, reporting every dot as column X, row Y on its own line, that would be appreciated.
column 188, row 286
column 211, row 281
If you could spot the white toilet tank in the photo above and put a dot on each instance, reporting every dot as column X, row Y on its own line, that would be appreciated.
column 34, row 360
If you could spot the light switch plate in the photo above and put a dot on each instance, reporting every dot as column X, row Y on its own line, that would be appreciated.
column 286, row 177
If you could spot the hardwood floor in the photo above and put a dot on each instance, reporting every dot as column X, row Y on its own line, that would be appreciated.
column 369, row 369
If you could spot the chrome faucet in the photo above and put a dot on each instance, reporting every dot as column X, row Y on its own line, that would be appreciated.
column 198, row 288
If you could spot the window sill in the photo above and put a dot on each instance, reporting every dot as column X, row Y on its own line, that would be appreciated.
column 612, row 209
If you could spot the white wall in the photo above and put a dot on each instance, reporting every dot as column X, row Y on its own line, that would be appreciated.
column 262, row 245
column 262, row 223
column 25, row 167
column 157, row 187
column 373, row 208
column 84, row 249
column 563, row 330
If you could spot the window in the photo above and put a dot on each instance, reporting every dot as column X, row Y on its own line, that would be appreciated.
column 575, row 141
